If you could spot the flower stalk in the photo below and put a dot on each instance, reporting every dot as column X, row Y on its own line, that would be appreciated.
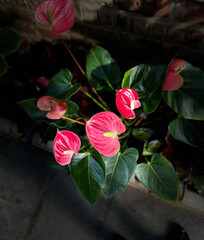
column 82, row 71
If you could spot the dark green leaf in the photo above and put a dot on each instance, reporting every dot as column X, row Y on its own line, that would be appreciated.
column 102, row 70
column 9, row 41
column 72, row 108
column 159, row 177
column 119, row 169
column 154, row 145
column 150, row 87
column 188, row 100
column 30, row 107
column 3, row 65
column 142, row 133
column 134, row 75
column 198, row 180
column 188, row 131
column 60, row 85
column 88, row 171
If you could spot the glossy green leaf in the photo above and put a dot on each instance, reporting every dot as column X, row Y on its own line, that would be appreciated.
column 154, row 145
column 30, row 107
column 3, row 65
column 72, row 108
column 9, row 41
column 102, row 70
column 142, row 133
column 88, row 171
column 60, row 85
column 188, row 131
column 188, row 100
column 198, row 180
column 159, row 177
column 150, row 87
column 134, row 75
column 119, row 169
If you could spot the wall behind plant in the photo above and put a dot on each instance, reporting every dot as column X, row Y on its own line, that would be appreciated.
column 128, row 28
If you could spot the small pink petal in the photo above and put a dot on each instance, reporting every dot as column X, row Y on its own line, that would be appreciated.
column 98, row 125
column 43, row 82
column 56, row 108
column 173, row 81
column 66, row 144
column 62, row 14
column 126, row 102
column 177, row 65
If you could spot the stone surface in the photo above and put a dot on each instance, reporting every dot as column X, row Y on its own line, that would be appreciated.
column 13, row 223
column 190, row 12
column 136, row 214
column 157, row 30
column 65, row 214
column 24, row 173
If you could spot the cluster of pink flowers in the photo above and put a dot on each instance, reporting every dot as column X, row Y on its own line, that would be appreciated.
column 104, row 127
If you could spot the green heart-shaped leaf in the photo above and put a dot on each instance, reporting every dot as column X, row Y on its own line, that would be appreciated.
column 119, row 169
column 188, row 100
column 60, row 85
column 159, row 177
column 134, row 75
column 88, row 171
column 30, row 107
column 188, row 131
column 9, row 41
column 102, row 70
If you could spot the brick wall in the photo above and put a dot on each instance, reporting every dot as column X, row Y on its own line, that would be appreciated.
column 151, row 30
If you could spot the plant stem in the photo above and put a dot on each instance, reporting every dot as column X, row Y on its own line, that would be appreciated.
column 82, row 71
column 140, row 120
column 98, row 103
column 72, row 120
column 146, row 159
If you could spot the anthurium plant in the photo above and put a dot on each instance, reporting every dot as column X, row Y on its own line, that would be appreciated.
column 103, row 152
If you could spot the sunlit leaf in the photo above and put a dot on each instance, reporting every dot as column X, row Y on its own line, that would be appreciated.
column 188, row 100
column 88, row 171
column 102, row 70
column 119, row 169
column 159, row 177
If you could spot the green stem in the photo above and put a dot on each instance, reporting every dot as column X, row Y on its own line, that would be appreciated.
column 98, row 103
column 109, row 84
column 146, row 159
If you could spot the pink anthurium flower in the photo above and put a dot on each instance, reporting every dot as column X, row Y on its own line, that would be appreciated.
column 66, row 144
column 126, row 102
column 102, row 130
column 173, row 80
column 58, row 13
column 56, row 108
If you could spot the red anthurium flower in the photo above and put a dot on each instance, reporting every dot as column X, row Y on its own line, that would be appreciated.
column 56, row 108
column 102, row 130
column 173, row 80
column 66, row 144
column 58, row 13
column 126, row 102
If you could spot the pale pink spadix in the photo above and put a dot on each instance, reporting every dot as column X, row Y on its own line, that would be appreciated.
column 66, row 144
column 173, row 79
column 56, row 108
column 126, row 102
column 102, row 130
column 58, row 13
